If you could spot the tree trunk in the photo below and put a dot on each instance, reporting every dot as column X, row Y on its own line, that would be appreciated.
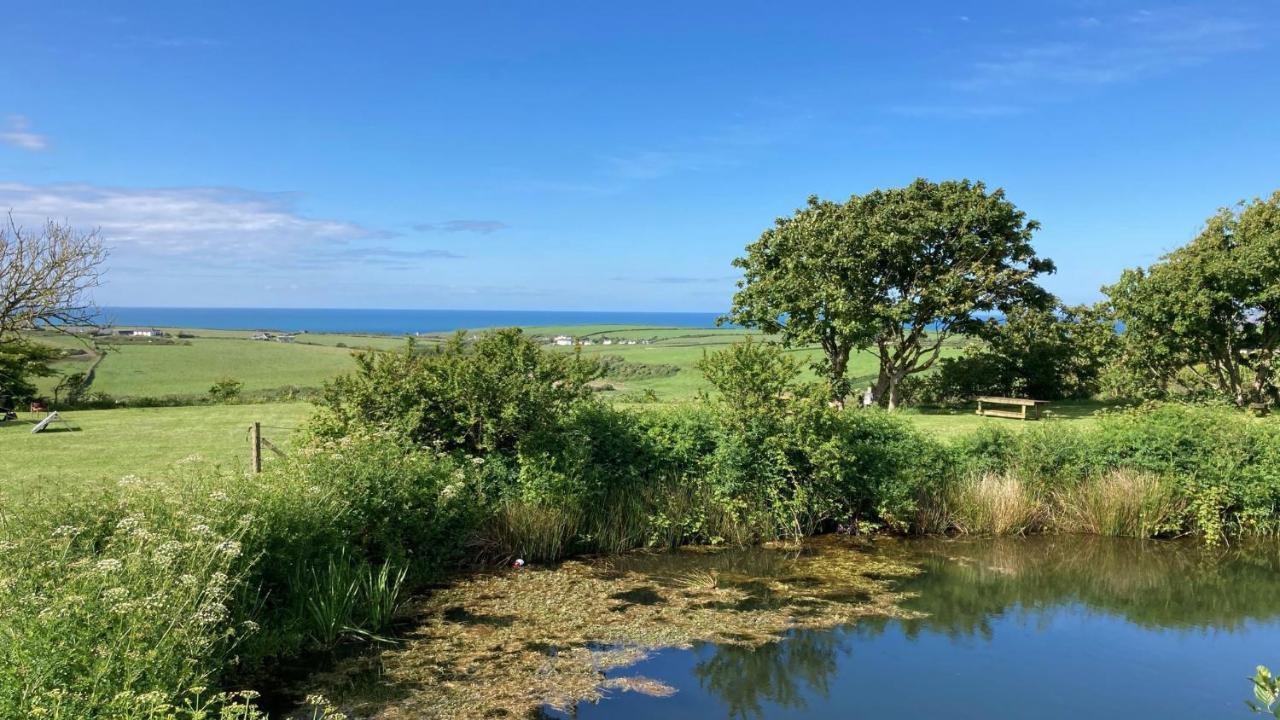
column 838, row 360
column 895, row 397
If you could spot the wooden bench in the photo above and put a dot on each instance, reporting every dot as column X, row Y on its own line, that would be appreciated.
column 1021, row 413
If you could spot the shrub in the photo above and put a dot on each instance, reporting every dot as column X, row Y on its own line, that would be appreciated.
column 487, row 396
column 129, row 602
column 226, row 390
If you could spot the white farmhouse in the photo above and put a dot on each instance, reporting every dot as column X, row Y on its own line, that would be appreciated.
column 563, row 340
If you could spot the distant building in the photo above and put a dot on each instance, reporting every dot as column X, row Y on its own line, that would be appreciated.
column 262, row 336
column 140, row 332
column 563, row 340
column 606, row 341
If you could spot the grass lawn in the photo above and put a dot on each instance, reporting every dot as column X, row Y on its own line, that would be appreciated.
column 107, row 444
column 948, row 424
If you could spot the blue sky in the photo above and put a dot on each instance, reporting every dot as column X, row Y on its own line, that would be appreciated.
column 606, row 156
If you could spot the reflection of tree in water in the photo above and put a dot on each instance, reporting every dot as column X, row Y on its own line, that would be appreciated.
column 966, row 584
column 1179, row 585
column 782, row 673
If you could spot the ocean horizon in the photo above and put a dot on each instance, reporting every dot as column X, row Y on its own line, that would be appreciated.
column 386, row 322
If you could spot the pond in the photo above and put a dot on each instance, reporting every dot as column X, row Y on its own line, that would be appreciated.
column 1046, row 627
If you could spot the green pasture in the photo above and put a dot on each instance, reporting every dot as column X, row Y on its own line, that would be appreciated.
column 186, row 367
column 111, row 443
column 107, row 444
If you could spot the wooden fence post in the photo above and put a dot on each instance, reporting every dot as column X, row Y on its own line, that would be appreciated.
column 255, row 438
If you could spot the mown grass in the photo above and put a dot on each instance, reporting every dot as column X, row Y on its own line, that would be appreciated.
column 139, row 441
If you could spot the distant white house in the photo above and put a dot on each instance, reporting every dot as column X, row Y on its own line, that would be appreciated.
column 563, row 340
column 141, row 332
column 606, row 341
column 262, row 336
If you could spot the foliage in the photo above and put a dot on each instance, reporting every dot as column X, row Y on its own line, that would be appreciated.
column 20, row 362
column 490, row 395
column 898, row 270
column 753, row 379
column 1207, row 316
column 618, row 367
column 71, row 388
column 1041, row 353
column 141, row 597
column 225, row 390
column 1266, row 693
column 1175, row 468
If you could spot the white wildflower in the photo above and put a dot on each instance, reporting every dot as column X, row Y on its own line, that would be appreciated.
column 230, row 548
column 108, row 565
column 210, row 613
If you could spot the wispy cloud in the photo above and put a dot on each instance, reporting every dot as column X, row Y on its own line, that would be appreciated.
column 480, row 227
column 1105, row 50
column 18, row 134
column 209, row 224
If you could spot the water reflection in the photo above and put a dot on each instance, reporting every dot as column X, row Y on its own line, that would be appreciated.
column 1183, row 585
column 1047, row 627
column 784, row 674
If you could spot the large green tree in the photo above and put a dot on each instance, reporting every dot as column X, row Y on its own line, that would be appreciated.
column 1042, row 353
column 898, row 271
column 1208, row 314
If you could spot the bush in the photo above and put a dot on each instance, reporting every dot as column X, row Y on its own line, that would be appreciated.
column 131, row 602
column 226, row 390
column 487, row 396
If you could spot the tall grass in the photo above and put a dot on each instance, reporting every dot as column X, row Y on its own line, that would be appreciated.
column 994, row 504
column 1122, row 503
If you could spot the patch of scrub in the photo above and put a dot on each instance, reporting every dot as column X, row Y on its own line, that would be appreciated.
column 506, row 644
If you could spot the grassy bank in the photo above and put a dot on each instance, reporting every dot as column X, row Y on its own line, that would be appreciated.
column 131, row 599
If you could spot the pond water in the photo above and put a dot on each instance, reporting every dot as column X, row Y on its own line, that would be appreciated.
column 1045, row 627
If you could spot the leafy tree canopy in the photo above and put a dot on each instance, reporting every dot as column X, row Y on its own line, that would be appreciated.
column 1208, row 314
column 19, row 362
column 898, row 270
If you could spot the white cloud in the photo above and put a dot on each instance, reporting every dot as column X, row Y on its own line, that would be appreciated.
column 214, row 225
column 19, row 135
column 1103, row 51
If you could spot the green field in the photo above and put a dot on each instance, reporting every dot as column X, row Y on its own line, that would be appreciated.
column 111, row 443
column 106, row 444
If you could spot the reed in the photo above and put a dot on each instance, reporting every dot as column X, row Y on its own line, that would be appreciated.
column 994, row 504
column 1121, row 503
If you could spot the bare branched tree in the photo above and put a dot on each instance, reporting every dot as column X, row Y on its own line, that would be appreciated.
column 46, row 276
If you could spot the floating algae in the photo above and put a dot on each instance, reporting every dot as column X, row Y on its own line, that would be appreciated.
column 509, row 643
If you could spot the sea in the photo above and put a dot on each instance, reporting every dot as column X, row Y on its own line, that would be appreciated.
column 390, row 322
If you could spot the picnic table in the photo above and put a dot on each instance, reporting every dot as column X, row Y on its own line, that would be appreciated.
column 1023, row 404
